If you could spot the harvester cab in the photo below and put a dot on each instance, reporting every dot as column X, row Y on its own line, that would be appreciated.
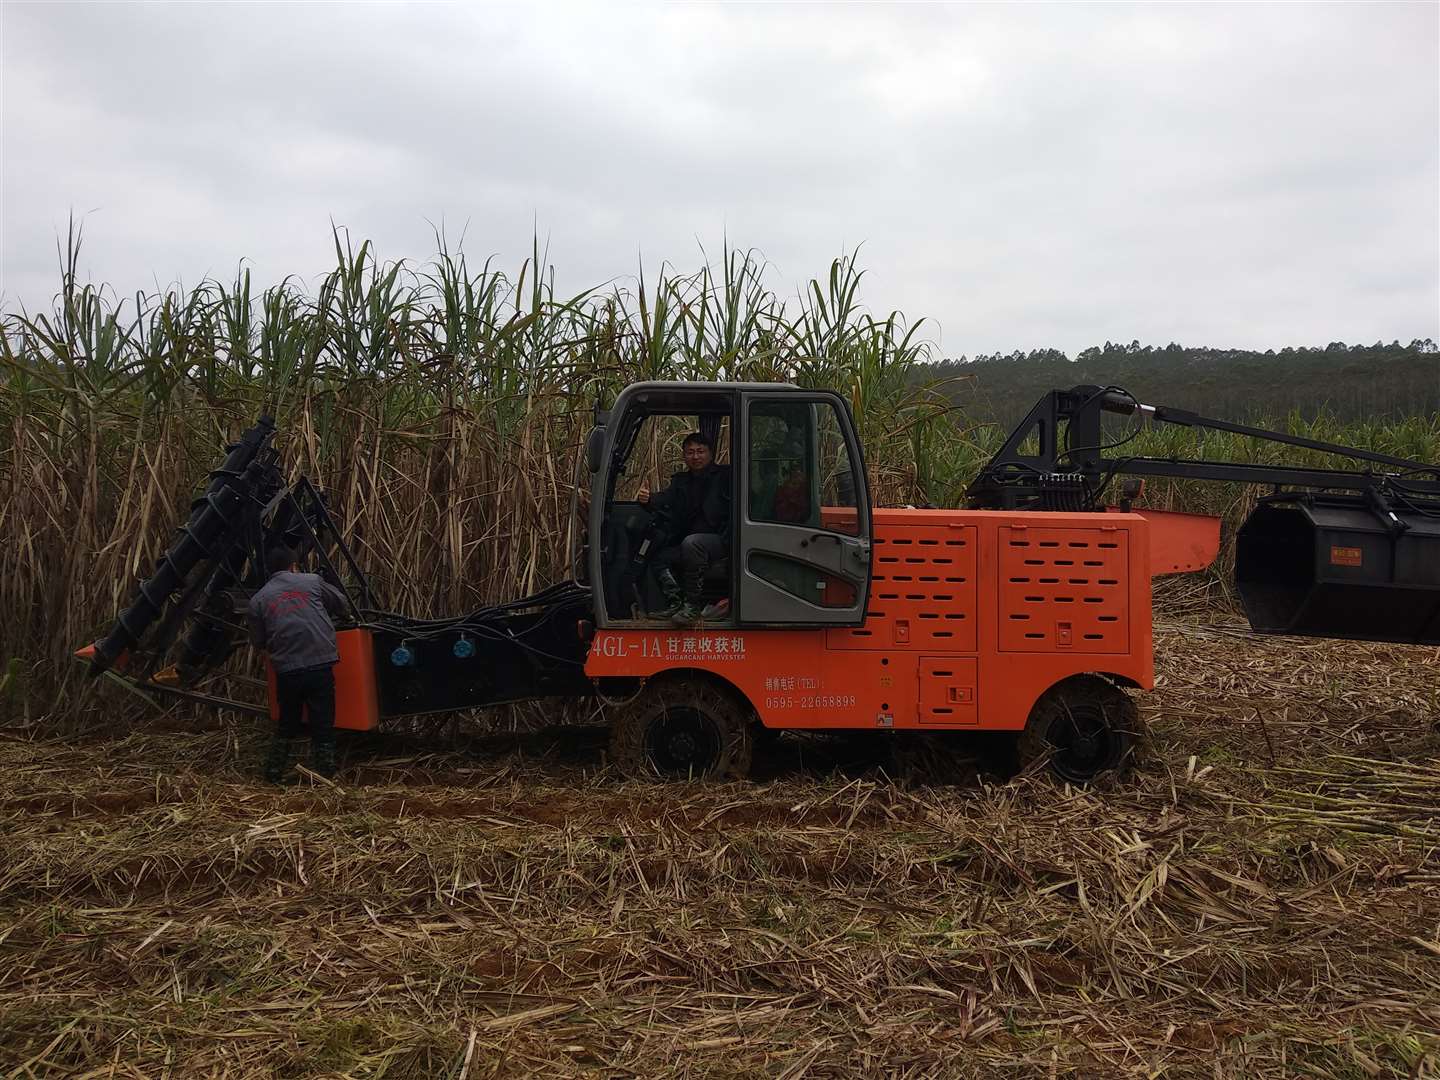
column 799, row 540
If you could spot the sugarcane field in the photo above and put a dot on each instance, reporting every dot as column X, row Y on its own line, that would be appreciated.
column 469, row 616
column 1251, row 889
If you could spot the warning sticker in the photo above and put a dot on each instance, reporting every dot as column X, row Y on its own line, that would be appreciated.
column 1345, row 556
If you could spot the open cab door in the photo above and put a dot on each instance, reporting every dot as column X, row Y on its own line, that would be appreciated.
column 636, row 444
column 805, row 532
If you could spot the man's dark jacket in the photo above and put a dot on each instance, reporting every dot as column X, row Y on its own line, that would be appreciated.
column 697, row 502
column 290, row 618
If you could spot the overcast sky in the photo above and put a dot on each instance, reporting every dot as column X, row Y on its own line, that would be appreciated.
column 1025, row 176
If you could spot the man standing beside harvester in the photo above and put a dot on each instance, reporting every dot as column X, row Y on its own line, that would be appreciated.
column 291, row 621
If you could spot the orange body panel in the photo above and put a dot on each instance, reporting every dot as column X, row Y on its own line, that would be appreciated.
column 357, row 705
column 973, row 614
column 1179, row 542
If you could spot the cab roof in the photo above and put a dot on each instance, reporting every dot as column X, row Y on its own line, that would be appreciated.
column 697, row 397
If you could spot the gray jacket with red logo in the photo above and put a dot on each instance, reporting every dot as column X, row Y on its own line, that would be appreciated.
column 290, row 619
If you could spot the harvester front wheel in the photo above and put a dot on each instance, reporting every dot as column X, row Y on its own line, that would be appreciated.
column 683, row 729
column 1084, row 727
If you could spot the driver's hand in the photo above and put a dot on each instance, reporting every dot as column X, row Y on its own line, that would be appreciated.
column 643, row 496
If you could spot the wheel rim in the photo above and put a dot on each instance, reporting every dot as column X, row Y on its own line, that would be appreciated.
column 683, row 741
column 1083, row 743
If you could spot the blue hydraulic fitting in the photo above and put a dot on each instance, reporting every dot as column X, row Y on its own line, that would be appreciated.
column 463, row 649
column 402, row 656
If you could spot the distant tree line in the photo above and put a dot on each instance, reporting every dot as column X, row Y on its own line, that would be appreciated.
column 1350, row 382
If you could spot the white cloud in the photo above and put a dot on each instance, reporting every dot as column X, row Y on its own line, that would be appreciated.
column 1024, row 175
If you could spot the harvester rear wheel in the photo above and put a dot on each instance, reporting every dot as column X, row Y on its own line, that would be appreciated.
column 1084, row 727
column 683, row 729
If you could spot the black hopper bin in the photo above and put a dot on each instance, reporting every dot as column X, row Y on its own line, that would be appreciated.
column 1338, row 566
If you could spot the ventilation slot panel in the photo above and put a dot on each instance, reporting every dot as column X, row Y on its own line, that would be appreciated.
column 924, row 595
column 1063, row 589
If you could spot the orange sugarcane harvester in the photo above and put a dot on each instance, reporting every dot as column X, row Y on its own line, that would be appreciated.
column 1028, row 612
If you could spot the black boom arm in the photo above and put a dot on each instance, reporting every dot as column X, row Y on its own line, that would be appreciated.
column 1058, row 458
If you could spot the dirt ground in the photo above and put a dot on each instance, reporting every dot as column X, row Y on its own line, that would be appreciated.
column 1259, row 897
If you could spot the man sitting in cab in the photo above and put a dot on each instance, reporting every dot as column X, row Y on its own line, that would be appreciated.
column 697, row 502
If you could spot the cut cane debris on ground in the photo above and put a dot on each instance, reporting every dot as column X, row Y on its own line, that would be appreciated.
column 1260, row 897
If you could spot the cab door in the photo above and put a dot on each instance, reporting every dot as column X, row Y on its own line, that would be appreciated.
column 804, row 512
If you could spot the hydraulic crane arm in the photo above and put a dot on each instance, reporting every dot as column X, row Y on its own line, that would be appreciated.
column 1058, row 458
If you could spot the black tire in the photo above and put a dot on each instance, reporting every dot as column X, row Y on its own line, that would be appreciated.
column 1083, row 728
column 683, row 729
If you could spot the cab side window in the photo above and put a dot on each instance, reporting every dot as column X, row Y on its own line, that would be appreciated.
column 780, row 488
column 839, row 511
column 801, row 472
